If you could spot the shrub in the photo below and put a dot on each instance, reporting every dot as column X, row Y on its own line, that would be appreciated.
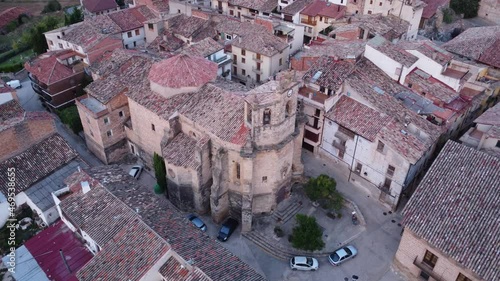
column 467, row 7
column 160, row 172
column 307, row 235
column 70, row 117
column 323, row 189
column 7, row 55
column 447, row 15
column 14, row 67
column 278, row 231
column 52, row 6
column 339, row 215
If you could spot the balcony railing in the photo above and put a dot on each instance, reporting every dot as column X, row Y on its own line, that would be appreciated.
column 427, row 269
column 257, row 70
column 313, row 129
column 257, row 59
column 309, row 22
column 221, row 59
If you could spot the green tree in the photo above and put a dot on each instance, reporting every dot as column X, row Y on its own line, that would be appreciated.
column 70, row 117
column 307, row 235
column 160, row 172
column 320, row 187
column 76, row 16
column 52, row 6
column 467, row 7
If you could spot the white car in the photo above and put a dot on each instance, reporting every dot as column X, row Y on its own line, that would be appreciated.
column 304, row 263
column 135, row 171
column 15, row 84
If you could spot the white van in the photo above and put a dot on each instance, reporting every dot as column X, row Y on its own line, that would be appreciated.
column 15, row 84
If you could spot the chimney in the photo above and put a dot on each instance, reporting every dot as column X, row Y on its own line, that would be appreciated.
column 85, row 186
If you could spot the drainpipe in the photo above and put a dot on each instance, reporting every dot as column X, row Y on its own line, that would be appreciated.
column 353, row 157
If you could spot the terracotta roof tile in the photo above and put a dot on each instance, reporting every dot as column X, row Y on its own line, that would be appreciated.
column 49, row 70
column 132, row 18
column 173, row 270
column 455, row 208
column 392, row 51
column 11, row 113
column 332, row 73
column 204, row 48
column 431, row 86
column 390, row 27
column 37, row 162
column 180, row 152
column 95, row 6
column 296, row 7
column 191, row 27
column 359, row 118
column 183, row 70
column 261, row 42
column 432, row 6
column 265, row 6
column 476, row 42
column 324, row 8
column 338, row 49
column 164, row 219
column 428, row 49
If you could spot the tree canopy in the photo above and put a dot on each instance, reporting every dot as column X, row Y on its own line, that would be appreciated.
column 467, row 7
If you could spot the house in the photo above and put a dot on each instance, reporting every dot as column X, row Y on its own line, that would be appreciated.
column 410, row 11
column 55, row 253
column 98, row 7
column 318, row 16
column 323, row 83
column 368, row 26
column 131, row 25
column 290, row 11
column 140, row 226
column 338, row 49
column 11, row 14
column 485, row 135
column 379, row 141
column 243, row 8
column 213, row 51
column 442, row 238
column 431, row 8
column 57, row 77
column 188, row 7
column 490, row 9
column 159, row 7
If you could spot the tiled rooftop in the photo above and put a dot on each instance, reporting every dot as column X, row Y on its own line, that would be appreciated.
column 174, row 271
column 95, row 6
column 380, row 91
column 48, row 70
column 329, row 73
column 260, row 42
column 37, row 162
column 166, row 221
column 40, row 192
column 455, row 208
column 392, row 51
column 11, row 113
column 128, row 256
column 204, row 48
column 325, row 9
column 390, row 27
column 180, row 152
column 191, row 27
column 428, row 49
column 490, row 116
column 431, row 86
column 183, row 70
column 478, row 43
column 296, row 7
column 339, row 49
column 432, row 6
column 265, row 6
column 132, row 18
column 11, row 14
column 88, row 34
column 359, row 118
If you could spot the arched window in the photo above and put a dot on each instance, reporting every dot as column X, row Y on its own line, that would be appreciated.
column 288, row 108
column 267, row 116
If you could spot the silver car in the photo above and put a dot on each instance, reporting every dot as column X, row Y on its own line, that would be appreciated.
column 304, row 263
column 342, row 254
column 135, row 171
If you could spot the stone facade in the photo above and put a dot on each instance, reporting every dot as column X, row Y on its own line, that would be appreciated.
column 410, row 260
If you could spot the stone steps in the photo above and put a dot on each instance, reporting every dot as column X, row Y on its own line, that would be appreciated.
column 288, row 213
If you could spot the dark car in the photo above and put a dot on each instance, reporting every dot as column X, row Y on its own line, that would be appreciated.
column 197, row 222
column 227, row 229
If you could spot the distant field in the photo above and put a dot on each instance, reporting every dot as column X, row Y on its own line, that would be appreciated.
column 33, row 5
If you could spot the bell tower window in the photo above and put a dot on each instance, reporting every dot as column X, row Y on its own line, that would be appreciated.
column 267, row 116
column 288, row 108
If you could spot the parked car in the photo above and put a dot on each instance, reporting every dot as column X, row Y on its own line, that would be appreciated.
column 304, row 263
column 342, row 254
column 136, row 171
column 227, row 229
column 15, row 84
column 197, row 222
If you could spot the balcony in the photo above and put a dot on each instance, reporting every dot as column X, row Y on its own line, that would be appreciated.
column 314, row 95
column 311, row 138
column 222, row 60
column 257, row 70
column 257, row 58
column 309, row 22
column 313, row 129
column 339, row 145
column 427, row 269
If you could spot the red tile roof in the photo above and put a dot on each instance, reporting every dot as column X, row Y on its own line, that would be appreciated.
column 48, row 70
column 325, row 9
column 95, row 6
column 183, row 70
column 37, row 162
column 359, row 118
column 490, row 116
column 180, row 152
column 431, row 86
column 132, row 18
column 432, row 6
column 11, row 113
column 11, row 14
column 455, row 208
column 332, row 72
column 45, row 246
column 265, row 6
column 173, row 270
